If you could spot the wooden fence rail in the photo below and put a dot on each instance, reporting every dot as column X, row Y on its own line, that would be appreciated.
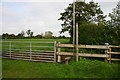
column 84, row 46
column 106, row 55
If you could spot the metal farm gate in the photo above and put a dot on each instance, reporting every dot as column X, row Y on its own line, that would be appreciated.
column 29, row 50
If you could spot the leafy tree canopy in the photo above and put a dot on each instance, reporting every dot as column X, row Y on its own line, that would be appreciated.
column 84, row 12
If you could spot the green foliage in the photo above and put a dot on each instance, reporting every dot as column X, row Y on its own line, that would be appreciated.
column 115, row 16
column 93, row 29
column 98, row 34
column 92, row 34
column 84, row 12
column 114, row 24
column 82, row 69
column 48, row 34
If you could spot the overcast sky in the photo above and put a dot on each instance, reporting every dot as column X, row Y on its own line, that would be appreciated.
column 38, row 16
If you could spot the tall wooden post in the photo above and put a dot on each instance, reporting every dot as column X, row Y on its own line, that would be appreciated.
column 55, row 51
column 106, row 51
column 73, row 22
column 10, row 49
column 109, row 55
column 59, row 57
column 73, row 28
column 76, row 41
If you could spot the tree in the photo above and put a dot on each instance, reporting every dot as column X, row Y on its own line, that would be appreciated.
column 115, row 16
column 38, row 36
column 114, row 24
column 28, row 32
column 11, row 36
column 48, row 34
column 42, row 35
column 22, row 33
column 5, row 36
column 31, row 34
column 84, row 13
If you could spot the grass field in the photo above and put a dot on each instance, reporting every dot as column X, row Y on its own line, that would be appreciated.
column 42, row 40
column 22, row 46
column 83, row 69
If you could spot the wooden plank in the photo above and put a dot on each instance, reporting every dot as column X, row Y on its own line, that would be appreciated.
column 114, row 46
column 113, row 52
column 93, row 55
column 67, row 58
column 65, row 45
column 84, row 46
column 113, row 59
column 84, row 54
column 93, row 46
column 65, row 53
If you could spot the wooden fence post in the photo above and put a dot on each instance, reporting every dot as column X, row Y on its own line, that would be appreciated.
column 55, row 51
column 106, row 51
column 59, row 57
column 109, row 55
column 30, row 52
column 77, row 42
column 10, row 49
column 73, row 29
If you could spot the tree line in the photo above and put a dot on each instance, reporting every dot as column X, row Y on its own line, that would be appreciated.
column 29, row 35
column 93, row 26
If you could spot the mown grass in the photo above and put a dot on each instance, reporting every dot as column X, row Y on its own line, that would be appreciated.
column 42, row 40
column 26, row 46
column 83, row 69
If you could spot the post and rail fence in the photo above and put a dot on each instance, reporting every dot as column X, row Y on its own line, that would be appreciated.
column 51, row 51
column 106, row 55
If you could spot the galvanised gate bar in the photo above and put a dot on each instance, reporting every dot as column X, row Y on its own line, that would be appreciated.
column 30, row 51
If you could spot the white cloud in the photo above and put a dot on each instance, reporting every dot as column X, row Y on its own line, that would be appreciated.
column 57, row 0
column 37, row 0
column 39, row 17
column 21, row 15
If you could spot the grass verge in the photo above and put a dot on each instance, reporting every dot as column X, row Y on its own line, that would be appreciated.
column 82, row 69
